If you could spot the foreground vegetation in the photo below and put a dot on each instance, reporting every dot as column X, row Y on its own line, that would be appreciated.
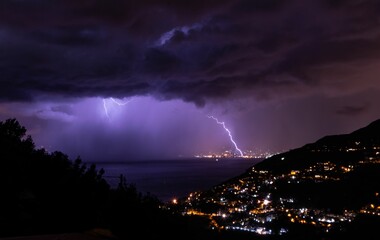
column 48, row 193
column 45, row 193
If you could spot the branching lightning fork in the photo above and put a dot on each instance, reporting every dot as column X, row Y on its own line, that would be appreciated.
column 117, row 102
column 229, row 134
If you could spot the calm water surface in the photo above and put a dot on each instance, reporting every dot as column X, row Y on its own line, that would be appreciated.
column 168, row 179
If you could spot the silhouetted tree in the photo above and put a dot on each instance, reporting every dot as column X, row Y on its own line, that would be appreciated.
column 45, row 192
column 42, row 192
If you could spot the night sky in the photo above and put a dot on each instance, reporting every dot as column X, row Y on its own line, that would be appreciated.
column 279, row 73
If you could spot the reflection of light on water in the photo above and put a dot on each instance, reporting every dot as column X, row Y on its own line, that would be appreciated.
column 216, row 159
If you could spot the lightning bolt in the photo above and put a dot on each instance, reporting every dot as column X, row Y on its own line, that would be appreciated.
column 117, row 102
column 229, row 134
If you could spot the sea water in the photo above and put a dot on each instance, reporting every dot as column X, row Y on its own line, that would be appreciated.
column 168, row 179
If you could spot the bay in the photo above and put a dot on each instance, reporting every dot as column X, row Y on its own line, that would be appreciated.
column 168, row 179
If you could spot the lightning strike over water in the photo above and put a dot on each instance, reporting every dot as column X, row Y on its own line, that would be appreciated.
column 229, row 134
column 117, row 102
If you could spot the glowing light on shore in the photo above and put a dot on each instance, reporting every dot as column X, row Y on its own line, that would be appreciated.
column 229, row 134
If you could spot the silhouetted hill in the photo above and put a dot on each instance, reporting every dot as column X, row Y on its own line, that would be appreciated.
column 44, row 193
column 351, row 148
column 373, row 129
column 329, row 189
column 367, row 135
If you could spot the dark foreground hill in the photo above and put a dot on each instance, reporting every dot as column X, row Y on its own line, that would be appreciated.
column 329, row 189
column 47, row 194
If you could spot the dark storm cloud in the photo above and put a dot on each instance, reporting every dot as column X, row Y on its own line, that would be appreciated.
column 191, row 50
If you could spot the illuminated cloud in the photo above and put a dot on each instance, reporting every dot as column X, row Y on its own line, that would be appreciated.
column 280, row 73
column 196, row 52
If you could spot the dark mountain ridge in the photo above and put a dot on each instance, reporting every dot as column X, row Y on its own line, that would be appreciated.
column 329, row 189
column 352, row 147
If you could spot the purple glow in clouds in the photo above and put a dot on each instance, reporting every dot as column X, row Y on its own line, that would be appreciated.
column 280, row 73
column 98, row 129
column 114, row 101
